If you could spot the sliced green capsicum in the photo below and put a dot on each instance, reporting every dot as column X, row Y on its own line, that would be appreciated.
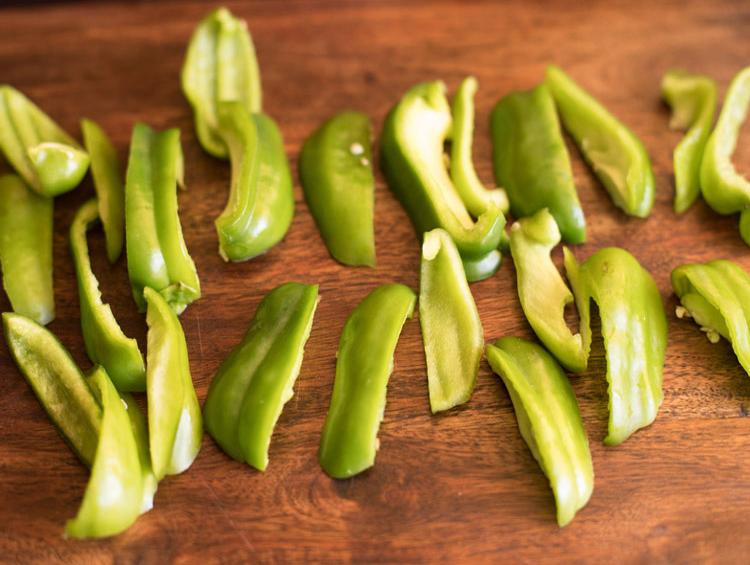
column 140, row 433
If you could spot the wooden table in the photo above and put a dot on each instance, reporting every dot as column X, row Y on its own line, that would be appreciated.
column 460, row 486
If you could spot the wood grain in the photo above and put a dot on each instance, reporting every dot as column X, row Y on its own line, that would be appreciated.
column 461, row 486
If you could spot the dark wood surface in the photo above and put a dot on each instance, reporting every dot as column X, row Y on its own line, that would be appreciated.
column 459, row 486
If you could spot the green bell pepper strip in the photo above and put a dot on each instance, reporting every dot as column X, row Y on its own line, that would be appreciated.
column 174, row 416
column 109, row 186
column 615, row 154
column 531, row 160
column 365, row 361
column 105, row 342
column 57, row 382
column 220, row 66
column 261, row 201
column 541, row 289
column 49, row 160
column 336, row 174
column 693, row 102
column 548, row 419
column 413, row 161
column 140, row 433
column 26, row 249
column 156, row 251
column 250, row 389
column 745, row 225
column 451, row 329
column 634, row 329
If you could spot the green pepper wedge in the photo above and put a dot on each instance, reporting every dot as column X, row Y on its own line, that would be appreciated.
column 156, row 251
column 634, row 329
column 140, row 433
column 336, row 174
column 252, row 385
column 26, row 249
column 365, row 360
column 531, row 160
column 693, row 102
column 615, row 154
column 49, row 160
column 105, row 342
column 451, row 329
column 548, row 419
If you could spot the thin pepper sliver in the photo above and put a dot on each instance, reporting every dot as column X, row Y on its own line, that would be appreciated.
column 140, row 433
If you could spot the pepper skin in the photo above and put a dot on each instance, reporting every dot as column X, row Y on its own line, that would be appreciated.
column 174, row 416
column 548, row 419
column 634, row 329
column 336, row 174
column 451, row 329
column 615, row 154
column 251, row 387
column 365, row 361
column 541, row 289
column 106, row 345
column 156, row 251
column 140, row 433
column 531, row 161
column 49, row 160
column 26, row 249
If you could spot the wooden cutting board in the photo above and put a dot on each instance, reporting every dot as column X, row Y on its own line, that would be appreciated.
column 460, row 486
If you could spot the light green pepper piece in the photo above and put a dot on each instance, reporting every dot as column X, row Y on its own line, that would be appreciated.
column 140, row 433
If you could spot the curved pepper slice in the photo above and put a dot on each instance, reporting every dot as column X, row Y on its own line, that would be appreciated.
column 365, row 361
column 451, row 328
column 220, row 66
column 261, row 202
column 531, row 161
column 336, row 173
column 174, row 416
column 634, row 329
column 156, row 251
column 548, row 419
column 413, row 161
column 251, row 387
column 49, row 160
column 541, row 289
column 140, row 433
column 105, row 342
column 26, row 249
column 615, row 154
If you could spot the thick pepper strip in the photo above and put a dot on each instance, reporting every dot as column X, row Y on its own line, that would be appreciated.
column 156, row 251
column 634, row 329
column 615, row 154
column 541, row 288
column 174, row 416
column 365, row 361
column 250, row 389
column 105, row 342
column 26, row 249
column 336, row 173
column 49, row 160
column 531, row 161
column 548, row 419
column 451, row 329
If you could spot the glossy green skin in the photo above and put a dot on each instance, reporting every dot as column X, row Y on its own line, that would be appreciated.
column 110, row 188
column 615, row 154
column 49, row 160
column 174, row 415
column 106, row 344
column 548, row 419
column 57, row 382
column 531, row 161
column 451, row 329
column 541, row 288
column 364, row 364
column 412, row 157
column 26, row 249
column 252, row 385
column 156, row 251
column 220, row 66
column 335, row 168
column 634, row 329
